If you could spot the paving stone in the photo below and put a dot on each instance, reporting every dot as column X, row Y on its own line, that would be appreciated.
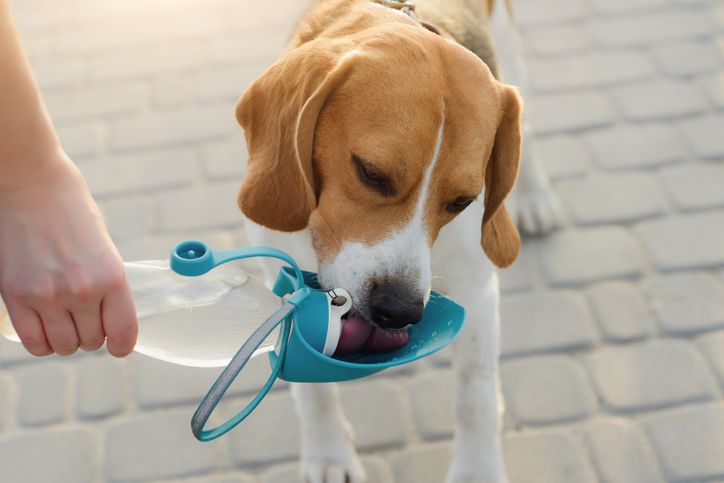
column 171, row 127
column 226, row 159
column 442, row 358
column 659, row 99
column 620, row 453
column 560, row 39
column 100, row 387
column 695, row 187
column 102, row 13
column 159, row 383
column 226, row 477
column 719, row 15
column 629, row 197
column 425, row 464
column 634, row 30
column 43, row 394
column 209, row 207
column 714, row 86
column 636, row 146
column 145, row 172
column 155, row 445
column 624, row 6
column 550, row 457
column 712, row 345
column 691, row 241
column 13, row 352
column 564, row 156
column 105, row 39
column 621, row 311
column 568, row 112
column 169, row 92
column 7, row 394
column 69, row 455
column 432, row 397
column 686, row 303
column 248, row 49
column 591, row 255
column 257, row 441
column 128, row 218
column 40, row 21
column 687, row 59
column 704, row 136
column 589, row 70
column 80, row 140
column 377, row 470
column 538, row 322
column 58, row 75
column 546, row 390
column 145, row 63
column 376, row 413
column 227, row 85
column 157, row 247
column 518, row 277
column 650, row 376
column 198, row 27
column 110, row 101
column 688, row 442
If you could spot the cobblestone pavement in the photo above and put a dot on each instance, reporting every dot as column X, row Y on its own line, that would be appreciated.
column 613, row 327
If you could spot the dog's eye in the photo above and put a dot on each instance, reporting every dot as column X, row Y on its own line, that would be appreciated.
column 373, row 178
column 459, row 204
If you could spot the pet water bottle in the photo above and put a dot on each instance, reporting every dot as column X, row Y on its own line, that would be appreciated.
column 194, row 321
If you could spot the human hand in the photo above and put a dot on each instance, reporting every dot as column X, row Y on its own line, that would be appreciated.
column 61, row 277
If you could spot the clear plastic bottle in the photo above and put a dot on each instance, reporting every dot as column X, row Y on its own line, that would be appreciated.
column 193, row 321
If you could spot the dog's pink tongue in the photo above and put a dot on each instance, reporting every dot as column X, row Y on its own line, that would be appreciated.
column 355, row 333
column 359, row 335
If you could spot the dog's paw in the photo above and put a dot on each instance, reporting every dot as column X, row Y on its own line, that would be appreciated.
column 327, row 472
column 489, row 469
column 331, row 462
column 535, row 212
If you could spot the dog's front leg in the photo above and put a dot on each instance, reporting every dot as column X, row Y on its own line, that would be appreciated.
column 477, row 452
column 327, row 451
column 464, row 273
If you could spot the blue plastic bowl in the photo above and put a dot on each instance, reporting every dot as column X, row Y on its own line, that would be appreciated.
column 304, row 317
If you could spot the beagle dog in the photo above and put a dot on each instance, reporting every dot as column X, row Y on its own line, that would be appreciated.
column 382, row 147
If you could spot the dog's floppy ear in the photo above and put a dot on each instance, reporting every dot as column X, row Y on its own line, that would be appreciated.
column 500, row 238
column 279, row 113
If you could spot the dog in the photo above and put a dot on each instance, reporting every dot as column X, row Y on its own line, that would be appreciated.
column 382, row 146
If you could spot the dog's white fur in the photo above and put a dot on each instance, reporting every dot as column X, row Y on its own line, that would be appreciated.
column 405, row 253
column 461, row 271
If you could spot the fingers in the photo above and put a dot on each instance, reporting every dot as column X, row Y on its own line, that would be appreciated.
column 63, row 320
column 89, row 326
column 59, row 330
column 29, row 328
column 119, row 320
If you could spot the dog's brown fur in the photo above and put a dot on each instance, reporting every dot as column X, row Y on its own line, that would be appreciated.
column 365, row 80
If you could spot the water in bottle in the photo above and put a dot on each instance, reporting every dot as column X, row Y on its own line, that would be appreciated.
column 194, row 321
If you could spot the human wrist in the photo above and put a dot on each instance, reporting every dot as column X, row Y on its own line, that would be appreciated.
column 39, row 167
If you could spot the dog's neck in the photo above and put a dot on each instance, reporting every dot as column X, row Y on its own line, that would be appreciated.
column 335, row 18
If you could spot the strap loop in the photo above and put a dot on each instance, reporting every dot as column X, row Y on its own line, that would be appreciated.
column 222, row 384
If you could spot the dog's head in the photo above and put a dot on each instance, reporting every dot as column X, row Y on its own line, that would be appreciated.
column 375, row 145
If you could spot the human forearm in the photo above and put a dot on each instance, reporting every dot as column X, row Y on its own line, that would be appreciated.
column 28, row 143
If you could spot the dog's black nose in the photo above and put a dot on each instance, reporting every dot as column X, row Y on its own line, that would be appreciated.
column 393, row 308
